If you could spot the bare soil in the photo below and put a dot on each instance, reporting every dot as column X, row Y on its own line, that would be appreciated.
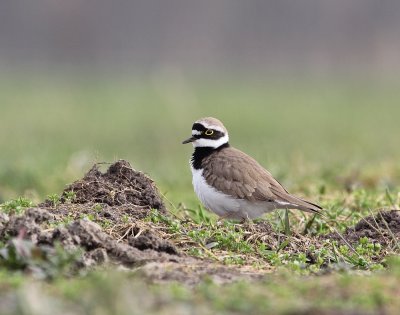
column 382, row 228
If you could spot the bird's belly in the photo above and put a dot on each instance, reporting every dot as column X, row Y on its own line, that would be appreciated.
column 221, row 204
column 253, row 210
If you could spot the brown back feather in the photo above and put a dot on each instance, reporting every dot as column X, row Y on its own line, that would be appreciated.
column 235, row 173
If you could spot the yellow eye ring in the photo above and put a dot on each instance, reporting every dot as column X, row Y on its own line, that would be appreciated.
column 209, row 132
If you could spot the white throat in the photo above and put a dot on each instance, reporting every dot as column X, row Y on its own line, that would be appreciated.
column 211, row 142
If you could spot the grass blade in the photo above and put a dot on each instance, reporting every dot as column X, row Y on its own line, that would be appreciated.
column 287, row 223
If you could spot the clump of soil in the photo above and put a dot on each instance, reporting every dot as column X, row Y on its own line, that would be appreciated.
column 148, row 240
column 119, row 185
column 383, row 228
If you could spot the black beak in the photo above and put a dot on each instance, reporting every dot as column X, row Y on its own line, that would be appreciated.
column 191, row 139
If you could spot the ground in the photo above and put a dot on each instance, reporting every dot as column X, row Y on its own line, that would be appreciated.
column 133, row 233
column 118, row 219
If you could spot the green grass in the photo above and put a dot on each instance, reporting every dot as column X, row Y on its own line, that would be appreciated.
column 16, row 206
column 245, row 244
column 335, row 143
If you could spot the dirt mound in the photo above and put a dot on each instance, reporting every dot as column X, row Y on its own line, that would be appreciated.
column 102, row 217
column 383, row 228
column 119, row 185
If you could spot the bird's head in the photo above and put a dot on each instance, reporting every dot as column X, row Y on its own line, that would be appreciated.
column 208, row 132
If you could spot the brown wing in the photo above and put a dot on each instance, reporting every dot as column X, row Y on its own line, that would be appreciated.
column 235, row 173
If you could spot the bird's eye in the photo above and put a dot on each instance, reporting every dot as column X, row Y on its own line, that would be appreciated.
column 209, row 132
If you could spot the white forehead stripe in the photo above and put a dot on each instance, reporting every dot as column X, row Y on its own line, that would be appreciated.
column 196, row 133
column 218, row 128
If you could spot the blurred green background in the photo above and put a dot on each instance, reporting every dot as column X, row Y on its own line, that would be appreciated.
column 313, row 133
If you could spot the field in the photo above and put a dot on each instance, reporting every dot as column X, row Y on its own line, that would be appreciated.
column 335, row 143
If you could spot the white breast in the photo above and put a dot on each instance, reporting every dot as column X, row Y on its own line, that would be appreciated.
column 221, row 204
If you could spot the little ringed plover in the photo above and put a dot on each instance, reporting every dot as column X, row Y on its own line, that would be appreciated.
column 231, row 183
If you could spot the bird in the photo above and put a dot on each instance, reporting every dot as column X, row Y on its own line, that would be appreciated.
column 231, row 183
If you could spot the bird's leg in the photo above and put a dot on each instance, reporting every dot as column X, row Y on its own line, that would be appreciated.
column 246, row 221
column 287, row 224
column 222, row 218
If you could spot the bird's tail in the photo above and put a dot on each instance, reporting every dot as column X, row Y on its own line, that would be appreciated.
column 293, row 202
column 307, row 206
